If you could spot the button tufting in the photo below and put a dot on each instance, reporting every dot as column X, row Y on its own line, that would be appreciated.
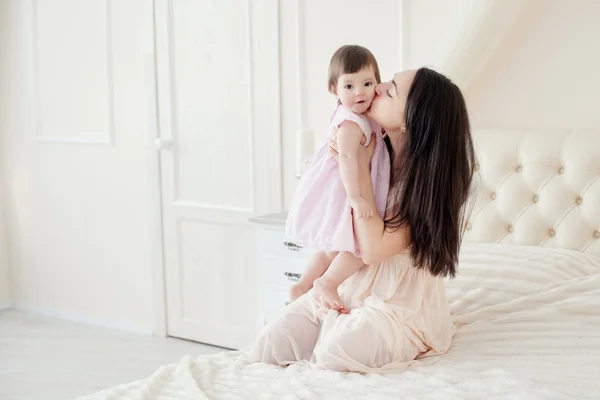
column 559, row 168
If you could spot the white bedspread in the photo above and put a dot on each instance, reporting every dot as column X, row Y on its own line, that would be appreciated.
column 529, row 328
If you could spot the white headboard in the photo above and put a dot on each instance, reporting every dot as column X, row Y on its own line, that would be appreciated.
column 538, row 188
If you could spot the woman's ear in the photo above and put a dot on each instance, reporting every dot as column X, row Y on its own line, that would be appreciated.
column 403, row 130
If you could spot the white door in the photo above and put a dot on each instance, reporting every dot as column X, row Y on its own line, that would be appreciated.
column 74, row 84
column 218, row 109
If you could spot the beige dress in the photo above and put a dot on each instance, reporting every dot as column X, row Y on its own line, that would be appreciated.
column 398, row 314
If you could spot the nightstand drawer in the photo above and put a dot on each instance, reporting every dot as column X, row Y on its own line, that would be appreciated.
column 274, row 242
column 281, row 271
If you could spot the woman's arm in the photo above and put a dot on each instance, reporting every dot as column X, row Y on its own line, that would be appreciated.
column 376, row 243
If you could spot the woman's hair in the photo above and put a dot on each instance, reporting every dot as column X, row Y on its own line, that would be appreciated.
column 431, row 176
column 350, row 59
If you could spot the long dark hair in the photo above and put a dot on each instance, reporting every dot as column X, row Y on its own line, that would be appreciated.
column 431, row 177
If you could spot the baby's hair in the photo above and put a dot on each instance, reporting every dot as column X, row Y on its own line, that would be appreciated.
column 350, row 59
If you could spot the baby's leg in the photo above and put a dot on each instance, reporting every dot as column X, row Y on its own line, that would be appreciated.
column 342, row 268
column 317, row 266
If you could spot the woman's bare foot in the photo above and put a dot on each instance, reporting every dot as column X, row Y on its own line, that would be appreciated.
column 327, row 293
column 296, row 291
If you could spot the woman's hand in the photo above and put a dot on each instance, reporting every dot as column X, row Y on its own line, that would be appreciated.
column 365, row 154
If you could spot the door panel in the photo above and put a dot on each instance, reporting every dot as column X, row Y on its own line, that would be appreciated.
column 224, row 163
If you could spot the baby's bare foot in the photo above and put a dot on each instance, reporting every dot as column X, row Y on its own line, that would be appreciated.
column 296, row 291
column 327, row 293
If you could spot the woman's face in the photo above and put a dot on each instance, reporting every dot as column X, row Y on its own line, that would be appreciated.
column 387, row 108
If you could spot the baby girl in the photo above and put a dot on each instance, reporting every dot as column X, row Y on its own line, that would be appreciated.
column 329, row 191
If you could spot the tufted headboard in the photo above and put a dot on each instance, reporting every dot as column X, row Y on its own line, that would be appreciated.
column 538, row 188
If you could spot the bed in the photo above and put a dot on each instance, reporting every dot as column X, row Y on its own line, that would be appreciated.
column 526, row 300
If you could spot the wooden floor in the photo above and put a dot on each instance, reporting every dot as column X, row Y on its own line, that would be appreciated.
column 48, row 358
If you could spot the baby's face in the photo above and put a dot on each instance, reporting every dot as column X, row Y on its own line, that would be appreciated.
column 356, row 91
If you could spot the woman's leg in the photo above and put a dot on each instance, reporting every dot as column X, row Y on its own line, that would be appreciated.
column 318, row 264
column 366, row 341
column 291, row 337
column 325, row 288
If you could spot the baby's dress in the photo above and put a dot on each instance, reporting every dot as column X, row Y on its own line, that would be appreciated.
column 320, row 216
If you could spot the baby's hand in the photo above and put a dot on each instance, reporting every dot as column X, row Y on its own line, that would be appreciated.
column 361, row 207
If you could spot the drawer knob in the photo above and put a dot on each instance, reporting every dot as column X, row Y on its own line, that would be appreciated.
column 292, row 276
column 292, row 246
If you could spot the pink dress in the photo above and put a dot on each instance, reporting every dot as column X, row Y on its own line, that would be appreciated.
column 320, row 216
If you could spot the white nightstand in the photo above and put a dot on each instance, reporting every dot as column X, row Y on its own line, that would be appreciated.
column 280, row 264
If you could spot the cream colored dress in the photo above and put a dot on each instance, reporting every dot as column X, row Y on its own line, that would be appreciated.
column 398, row 314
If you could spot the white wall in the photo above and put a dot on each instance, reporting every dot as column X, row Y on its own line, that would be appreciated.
column 545, row 75
column 429, row 21
column 5, row 287
column 74, row 132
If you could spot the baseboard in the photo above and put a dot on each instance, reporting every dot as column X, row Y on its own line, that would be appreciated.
column 101, row 322
column 4, row 305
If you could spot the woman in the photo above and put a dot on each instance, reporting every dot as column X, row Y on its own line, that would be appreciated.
column 399, row 310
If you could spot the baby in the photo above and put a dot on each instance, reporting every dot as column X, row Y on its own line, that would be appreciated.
column 329, row 192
